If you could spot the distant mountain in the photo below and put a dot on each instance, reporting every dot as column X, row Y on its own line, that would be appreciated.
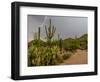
column 77, row 43
column 68, row 43
column 83, row 36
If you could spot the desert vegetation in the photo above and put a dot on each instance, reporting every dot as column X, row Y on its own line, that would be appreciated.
column 53, row 51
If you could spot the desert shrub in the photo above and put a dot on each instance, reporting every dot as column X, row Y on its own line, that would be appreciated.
column 83, row 41
column 83, row 45
column 41, row 53
column 66, row 56
column 77, row 43
column 40, row 56
column 71, row 44
column 30, row 56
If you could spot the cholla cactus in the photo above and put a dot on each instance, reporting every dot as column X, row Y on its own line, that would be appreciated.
column 50, row 31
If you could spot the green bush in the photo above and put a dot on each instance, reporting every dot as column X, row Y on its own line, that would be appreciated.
column 40, row 56
column 71, row 44
column 66, row 56
column 43, row 55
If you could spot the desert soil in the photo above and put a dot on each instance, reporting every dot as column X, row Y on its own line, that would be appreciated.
column 79, row 57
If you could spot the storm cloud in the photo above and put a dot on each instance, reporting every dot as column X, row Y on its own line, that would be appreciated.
column 66, row 26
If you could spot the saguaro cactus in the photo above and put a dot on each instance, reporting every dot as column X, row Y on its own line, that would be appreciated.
column 39, row 33
column 58, row 36
column 60, row 44
column 35, row 36
column 50, row 31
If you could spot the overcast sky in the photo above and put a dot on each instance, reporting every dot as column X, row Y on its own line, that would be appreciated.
column 66, row 26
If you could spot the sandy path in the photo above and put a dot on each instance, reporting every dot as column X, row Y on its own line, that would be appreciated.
column 79, row 57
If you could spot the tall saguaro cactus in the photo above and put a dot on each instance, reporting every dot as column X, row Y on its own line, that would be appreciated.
column 39, row 36
column 50, row 31
column 60, row 44
column 58, row 36
column 39, row 33
column 35, row 36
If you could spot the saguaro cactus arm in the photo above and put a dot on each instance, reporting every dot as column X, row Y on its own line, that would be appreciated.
column 50, row 31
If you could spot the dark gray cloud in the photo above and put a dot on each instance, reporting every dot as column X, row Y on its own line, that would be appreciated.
column 66, row 26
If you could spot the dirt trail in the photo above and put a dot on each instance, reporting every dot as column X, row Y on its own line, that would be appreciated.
column 79, row 57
